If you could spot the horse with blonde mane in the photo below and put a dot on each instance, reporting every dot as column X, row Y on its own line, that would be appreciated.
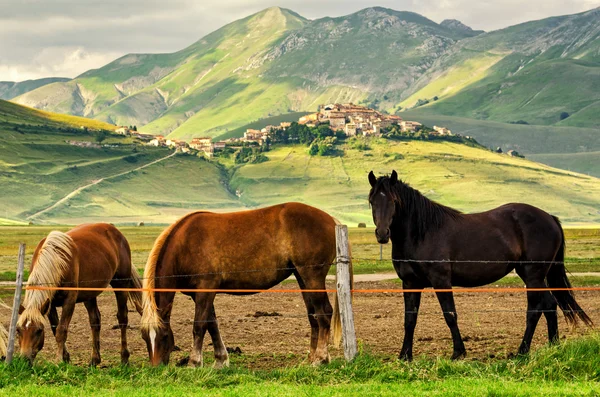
column 255, row 249
column 89, row 256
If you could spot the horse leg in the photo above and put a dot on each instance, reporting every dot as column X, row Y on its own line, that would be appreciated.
column 312, row 319
column 63, row 326
column 314, row 278
column 123, row 321
column 204, row 302
column 53, row 318
column 221, row 355
column 94, row 315
column 538, row 302
column 412, row 301
column 446, row 300
column 550, row 307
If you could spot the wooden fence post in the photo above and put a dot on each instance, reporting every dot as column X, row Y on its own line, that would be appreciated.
column 344, row 292
column 10, row 350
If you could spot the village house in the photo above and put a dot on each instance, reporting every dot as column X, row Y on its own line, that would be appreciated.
column 203, row 144
column 309, row 119
column 123, row 130
column 143, row 137
column 252, row 135
column 410, row 126
column 441, row 130
column 350, row 129
column 219, row 145
column 159, row 140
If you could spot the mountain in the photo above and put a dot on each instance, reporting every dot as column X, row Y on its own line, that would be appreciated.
column 275, row 62
column 454, row 24
column 10, row 90
column 541, row 72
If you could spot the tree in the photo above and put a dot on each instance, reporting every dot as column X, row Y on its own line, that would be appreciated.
column 564, row 115
column 135, row 128
column 101, row 136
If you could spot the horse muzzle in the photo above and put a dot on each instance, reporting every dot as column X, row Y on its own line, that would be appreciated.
column 382, row 237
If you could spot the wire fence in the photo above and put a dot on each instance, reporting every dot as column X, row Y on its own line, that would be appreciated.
column 80, row 285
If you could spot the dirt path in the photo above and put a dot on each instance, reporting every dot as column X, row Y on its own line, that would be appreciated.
column 491, row 324
column 95, row 182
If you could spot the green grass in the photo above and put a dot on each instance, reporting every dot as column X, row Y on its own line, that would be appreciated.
column 570, row 368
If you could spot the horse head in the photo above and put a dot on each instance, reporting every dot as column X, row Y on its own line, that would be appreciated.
column 383, row 204
column 30, row 330
column 159, row 338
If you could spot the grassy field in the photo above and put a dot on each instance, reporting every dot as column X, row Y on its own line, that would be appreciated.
column 583, row 248
column 570, row 148
column 570, row 368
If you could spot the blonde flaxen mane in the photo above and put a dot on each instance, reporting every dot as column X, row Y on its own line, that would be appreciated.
column 52, row 264
column 150, row 318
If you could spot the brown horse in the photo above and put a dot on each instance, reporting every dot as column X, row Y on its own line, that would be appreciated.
column 255, row 249
column 89, row 256
column 437, row 246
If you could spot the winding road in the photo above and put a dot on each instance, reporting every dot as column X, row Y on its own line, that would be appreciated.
column 95, row 182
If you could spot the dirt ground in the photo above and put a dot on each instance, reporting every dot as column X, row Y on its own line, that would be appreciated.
column 492, row 325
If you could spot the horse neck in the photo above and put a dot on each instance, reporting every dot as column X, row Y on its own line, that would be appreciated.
column 415, row 216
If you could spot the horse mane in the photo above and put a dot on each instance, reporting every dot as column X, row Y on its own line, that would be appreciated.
column 422, row 213
column 150, row 317
column 52, row 264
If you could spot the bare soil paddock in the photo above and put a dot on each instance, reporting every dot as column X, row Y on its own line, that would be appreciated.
column 492, row 325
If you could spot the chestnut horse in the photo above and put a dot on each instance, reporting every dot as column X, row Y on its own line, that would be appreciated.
column 88, row 256
column 437, row 246
column 255, row 249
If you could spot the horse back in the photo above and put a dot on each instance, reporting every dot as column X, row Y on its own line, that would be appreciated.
column 248, row 248
column 101, row 251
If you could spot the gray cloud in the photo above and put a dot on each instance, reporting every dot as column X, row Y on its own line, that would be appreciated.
column 67, row 37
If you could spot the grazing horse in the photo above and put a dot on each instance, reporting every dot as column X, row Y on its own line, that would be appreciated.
column 437, row 246
column 255, row 249
column 88, row 256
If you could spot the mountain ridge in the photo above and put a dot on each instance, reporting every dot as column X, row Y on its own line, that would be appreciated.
column 276, row 61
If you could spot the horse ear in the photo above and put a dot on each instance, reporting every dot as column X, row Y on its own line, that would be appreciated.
column 372, row 179
column 21, row 309
column 394, row 177
column 45, row 307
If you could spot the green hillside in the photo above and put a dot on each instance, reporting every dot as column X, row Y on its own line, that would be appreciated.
column 11, row 113
column 468, row 178
column 575, row 149
column 10, row 89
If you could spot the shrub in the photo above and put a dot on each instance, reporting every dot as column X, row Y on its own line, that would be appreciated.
column 564, row 115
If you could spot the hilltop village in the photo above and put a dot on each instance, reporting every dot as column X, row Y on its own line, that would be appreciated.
column 348, row 119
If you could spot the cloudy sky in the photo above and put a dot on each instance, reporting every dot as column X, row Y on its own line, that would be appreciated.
column 43, row 38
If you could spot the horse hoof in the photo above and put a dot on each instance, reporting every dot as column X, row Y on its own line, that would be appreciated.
column 66, row 357
column 125, row 357
column 320, row 361
column 183, row 362
column 405, row 357
column 459, row 355
column 221, row 364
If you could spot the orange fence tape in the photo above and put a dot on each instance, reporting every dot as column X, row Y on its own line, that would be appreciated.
column 359, row 291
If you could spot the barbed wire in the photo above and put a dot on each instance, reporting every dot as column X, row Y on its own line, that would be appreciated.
column 293, row 268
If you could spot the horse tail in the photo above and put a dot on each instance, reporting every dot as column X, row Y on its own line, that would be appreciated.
column 336, row 321
column 135, row 297
column 557, row 278
column 150, row 317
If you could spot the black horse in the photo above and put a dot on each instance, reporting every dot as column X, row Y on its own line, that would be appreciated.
column 440, row 247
